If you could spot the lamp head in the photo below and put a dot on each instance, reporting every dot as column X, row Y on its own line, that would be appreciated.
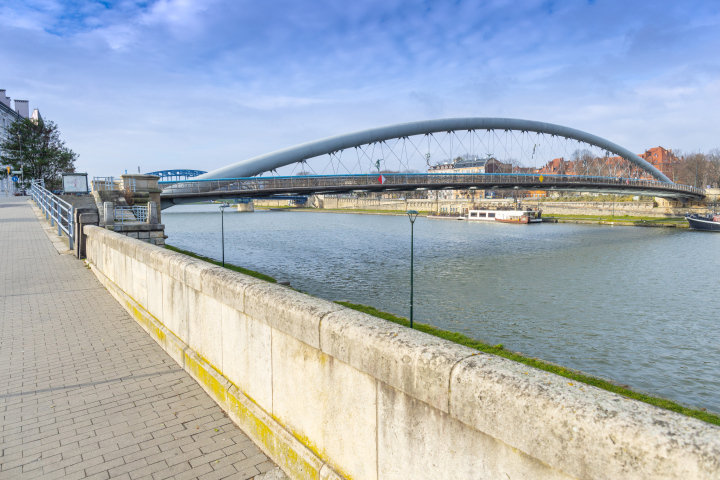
column 224, row 206
column 412, row 215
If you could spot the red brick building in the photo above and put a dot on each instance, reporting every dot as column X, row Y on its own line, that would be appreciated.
column 659, row 157
column 662, row 159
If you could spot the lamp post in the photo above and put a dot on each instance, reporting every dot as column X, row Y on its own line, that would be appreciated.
column 412, row 215
column 222, row 229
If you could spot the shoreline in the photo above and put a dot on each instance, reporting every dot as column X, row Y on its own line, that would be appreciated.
column 660, row 222
column 499, row 350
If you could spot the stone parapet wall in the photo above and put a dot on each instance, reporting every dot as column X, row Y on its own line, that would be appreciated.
column 332, row 393
column 153, row 234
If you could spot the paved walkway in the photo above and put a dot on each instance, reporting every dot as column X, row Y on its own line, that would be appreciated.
column 84, row 391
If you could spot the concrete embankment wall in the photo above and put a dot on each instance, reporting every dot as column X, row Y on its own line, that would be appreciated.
column 380, row 204
column 633, row 209
column 332, row 393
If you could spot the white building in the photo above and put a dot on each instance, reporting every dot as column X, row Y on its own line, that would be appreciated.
column 8, row 116
column 468, row 164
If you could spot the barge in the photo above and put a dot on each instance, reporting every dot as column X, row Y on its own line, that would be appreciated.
column 710, row 222
column 506, row 216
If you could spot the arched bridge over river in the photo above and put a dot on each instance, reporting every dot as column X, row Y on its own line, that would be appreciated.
column 344, row 163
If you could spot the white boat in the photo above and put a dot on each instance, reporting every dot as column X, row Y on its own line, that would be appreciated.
column 506, row 216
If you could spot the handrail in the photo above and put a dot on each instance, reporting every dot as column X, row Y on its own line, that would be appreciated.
column 104, row 183
column 492, row 180
column 56, row 210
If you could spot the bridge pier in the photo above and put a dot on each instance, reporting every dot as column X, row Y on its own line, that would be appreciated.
column 246, row 206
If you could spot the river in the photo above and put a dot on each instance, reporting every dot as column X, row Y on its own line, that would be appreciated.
column 634, row 305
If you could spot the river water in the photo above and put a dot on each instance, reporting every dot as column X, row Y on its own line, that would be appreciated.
column 635, row 305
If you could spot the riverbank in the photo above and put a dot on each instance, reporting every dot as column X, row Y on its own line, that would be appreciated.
column 499, row 350
column 337, row 210
column 626, row 220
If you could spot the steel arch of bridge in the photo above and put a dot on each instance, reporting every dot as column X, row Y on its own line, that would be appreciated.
column 300, row 153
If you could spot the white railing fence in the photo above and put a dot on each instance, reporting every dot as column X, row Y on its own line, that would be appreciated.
column 136, row 213
column 57, row 210
column 103, row 183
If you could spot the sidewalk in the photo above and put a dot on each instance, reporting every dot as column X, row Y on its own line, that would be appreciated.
column 84, row 391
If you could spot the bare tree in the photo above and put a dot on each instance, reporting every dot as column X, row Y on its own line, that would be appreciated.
column 585, row 162
column 694, row 170
column 515, row 164
column 713, row 159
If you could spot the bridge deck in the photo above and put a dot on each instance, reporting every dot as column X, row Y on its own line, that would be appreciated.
column 84, row 391
column 192, row 191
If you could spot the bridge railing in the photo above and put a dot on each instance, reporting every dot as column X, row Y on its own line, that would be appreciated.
column 57, row 210
column 103, row 183
column 455, row 180
column 135, row 213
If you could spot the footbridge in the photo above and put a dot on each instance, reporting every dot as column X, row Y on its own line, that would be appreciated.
column 202, row 190
column 457, row 153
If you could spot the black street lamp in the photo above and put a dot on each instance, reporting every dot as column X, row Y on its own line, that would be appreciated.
column 222, row 229
column 412, row 215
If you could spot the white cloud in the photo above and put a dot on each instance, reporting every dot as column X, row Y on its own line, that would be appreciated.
column 179, row 15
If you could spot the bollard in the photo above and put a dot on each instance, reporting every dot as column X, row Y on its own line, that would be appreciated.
column 152, row 214
column 109, row 214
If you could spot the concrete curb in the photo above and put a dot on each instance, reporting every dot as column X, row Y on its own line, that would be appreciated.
column 289, row 453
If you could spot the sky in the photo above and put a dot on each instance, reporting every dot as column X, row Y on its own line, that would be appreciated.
column 202, row 84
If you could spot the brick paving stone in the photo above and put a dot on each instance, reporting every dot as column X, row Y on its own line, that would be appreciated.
column 84, row 391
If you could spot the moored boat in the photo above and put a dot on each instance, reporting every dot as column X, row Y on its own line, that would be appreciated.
column 710, row 222
column 506, row 216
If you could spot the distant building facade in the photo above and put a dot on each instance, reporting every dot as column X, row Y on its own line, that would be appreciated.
column 662, row 159
column 8, row 115
column 659, row 157
column 469, row 164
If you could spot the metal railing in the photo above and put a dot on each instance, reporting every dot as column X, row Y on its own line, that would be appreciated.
column 57, row 210
column 255, row 186
column 103, row 183
column 136, row 213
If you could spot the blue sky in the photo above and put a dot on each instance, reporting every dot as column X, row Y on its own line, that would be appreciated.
column 200, row 84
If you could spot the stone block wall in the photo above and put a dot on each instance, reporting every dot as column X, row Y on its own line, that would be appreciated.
column 148, row 233
column 332, row 393
column 645, row 209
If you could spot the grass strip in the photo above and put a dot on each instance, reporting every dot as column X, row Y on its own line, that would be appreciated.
column 500, row 351
column 229, row 266
column 616, row 218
